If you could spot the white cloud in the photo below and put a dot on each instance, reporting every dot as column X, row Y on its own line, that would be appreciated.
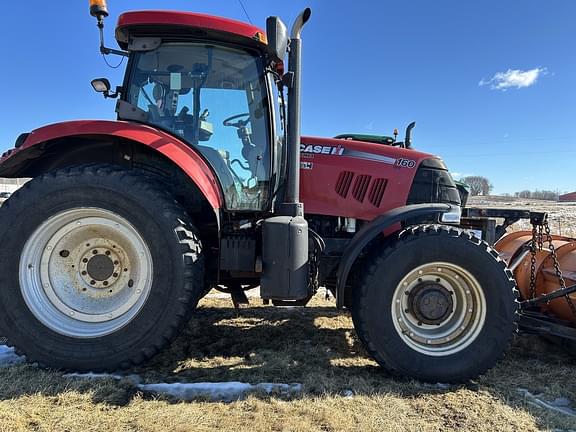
column 514, row 78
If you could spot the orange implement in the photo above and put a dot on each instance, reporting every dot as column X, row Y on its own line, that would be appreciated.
column 514, row 248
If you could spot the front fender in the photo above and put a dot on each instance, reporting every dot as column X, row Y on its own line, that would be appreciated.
column 14, row 161
column 371, row 230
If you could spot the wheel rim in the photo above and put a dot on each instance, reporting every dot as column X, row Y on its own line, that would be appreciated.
column 438, row 309
column 85, row 272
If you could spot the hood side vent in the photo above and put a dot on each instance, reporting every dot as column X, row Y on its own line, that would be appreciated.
column 343, row 183
column 377, row 191
column 361, row 187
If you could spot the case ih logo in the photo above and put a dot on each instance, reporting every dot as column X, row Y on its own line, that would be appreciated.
column 318, row 149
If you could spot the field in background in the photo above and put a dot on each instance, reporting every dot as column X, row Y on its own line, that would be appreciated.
column 343, row 389
column 562, row 216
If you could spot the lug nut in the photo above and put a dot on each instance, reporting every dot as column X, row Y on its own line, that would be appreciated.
column 95, row 252
column 64, row 254
column 93, row 282
column 115, row 275
column 107, row 252
column 84, row 273
column 85, row 260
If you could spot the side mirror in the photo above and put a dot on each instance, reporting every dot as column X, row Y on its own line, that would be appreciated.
column 277, row 35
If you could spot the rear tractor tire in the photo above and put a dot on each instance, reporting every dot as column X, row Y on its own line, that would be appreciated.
column 438, row 305
column 99, row 269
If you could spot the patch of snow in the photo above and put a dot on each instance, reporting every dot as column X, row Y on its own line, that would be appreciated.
column 92, row 375
column 561, row 405
column 9, row 357
column 134, row 379
column 219, row 391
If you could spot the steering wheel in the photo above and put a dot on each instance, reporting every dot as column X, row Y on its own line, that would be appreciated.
column 240, row 123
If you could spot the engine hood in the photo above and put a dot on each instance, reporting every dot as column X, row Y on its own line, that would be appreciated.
column 362, row 150
column 356, row 179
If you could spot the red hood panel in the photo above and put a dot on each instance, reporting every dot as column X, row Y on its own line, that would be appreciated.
column 355, row 179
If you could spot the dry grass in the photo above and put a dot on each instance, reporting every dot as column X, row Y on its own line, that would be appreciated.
column 315, row 346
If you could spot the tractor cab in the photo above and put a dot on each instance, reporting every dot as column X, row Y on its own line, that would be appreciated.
column 205, row 80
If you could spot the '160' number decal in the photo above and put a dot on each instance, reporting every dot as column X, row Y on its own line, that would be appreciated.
column 405, row 163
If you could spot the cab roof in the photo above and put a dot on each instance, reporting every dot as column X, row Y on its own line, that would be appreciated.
column 175, row 23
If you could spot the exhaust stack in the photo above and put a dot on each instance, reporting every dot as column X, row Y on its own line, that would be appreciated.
column 294, row 108
column 285, row 237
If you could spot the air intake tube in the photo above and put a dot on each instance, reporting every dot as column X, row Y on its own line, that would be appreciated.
column 408, row 138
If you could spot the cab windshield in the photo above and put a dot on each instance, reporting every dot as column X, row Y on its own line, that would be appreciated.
column 214, row 98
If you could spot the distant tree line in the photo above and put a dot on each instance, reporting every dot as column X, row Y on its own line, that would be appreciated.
column 538, row 194
column 478, row 185
column 481, row 186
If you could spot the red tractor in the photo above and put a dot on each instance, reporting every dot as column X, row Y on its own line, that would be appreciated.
column 203, row 182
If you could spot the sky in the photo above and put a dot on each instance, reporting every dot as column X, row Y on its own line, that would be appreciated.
column 491, row 84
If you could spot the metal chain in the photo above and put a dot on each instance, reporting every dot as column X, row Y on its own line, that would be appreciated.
column 533, row 261
column 557, row 269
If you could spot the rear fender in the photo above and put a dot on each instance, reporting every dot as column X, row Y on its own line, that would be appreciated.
column 374, row 229
column 15, row 162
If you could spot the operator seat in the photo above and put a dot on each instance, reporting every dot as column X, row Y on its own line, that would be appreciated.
column 219, row 165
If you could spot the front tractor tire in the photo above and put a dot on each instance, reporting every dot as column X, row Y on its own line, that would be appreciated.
column 438, row 305
column 99, row 269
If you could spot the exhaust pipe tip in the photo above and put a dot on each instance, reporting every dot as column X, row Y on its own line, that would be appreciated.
column 299, row 23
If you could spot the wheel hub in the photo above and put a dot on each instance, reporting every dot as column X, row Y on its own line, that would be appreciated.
column 431, row 303
column 100, row 267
